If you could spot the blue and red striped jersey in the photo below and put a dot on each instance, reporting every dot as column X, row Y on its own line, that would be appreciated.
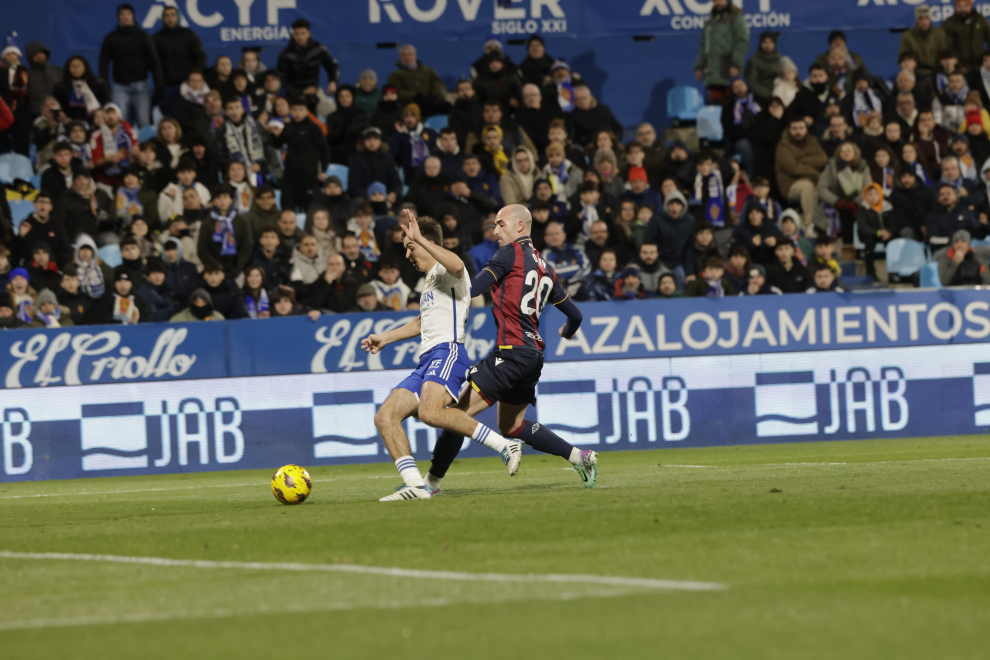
column 524, row 282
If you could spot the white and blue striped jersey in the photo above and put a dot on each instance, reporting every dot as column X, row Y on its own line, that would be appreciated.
column 443, row 308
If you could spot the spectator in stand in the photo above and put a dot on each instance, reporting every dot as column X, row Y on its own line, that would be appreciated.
column 308, row 262
column 711, row 283
column 875, row 222
column 94, row 275
column 49, row 313
column 367, row 300
column 284, row 303
column 273, row 257
column 863, row 103
column 449, row 153
column 119, row 304
column 967, row 33
column 600, row 285
column 40, row 226
column 337, row 202
column 654, row 151
column 264, row 212
column 840, row 191
column 708, row 198
column 226, row 237
column 557, row 134
column 43, row 77
column 417, row 83
column 959, row 147
column 738, row 118
column 589, row 116
column 639, row 191
column 336, row 291
column 968, row 191
column 57, row 178
column 905, row 112
column 924, row 41
column 180, row 51
column 534, row 116
column 724, row 44
column 171, row 202
column 978, row 142
column 256, row 293
column 156, row 293
column 756, row 234
column 498, row 81
column 764, row 67
column 480, row 181
column 465, row 116
column 824, row 281
column 113, row 147
column 837, row 43
column 43, row 271
column 71, row 296
column 226, row 297
column 600, row 240
column 978, row 80
column 948, row 217
column 799, row 162
column 357, row 266
column 702, row 249
column 561, row 86
column 80, row 93
column 516, row 184
column 346, row 126
column 629, row 285
column 930, row 139
column 788, row 84
column 948, row 107
column 241, row 138
column 306, row 157
column 200, row 309
column 300, row 62
column 585, row 212
column 511, row 138
column 362, row 227
column 767, row 128
column 483, row 252
column 786, row 273
column 373, row 164
column 134, row 57
column 568, row 260
column 83, row 209
column 812, row 99
column 429, row 190
column 410, row 145
column 756, row 283
column 392, row 291
column 651, row 269
column 535, row 69
column 564, row 176
column 737, row 267
column 181, row 276
column 367, row 95
column 922, row 90
column 319, row 225
column 961, row 264
column 388, row 113
column 913, row 202
column 543, row 192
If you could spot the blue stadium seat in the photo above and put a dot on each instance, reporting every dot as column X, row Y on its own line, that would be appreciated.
column 36, row 181
column 301, row 220
column 156, row 117
column 147, row 133
column 111, row 255
column 929, row 276
column 436, row 122
column 859, row 245
column 683, row 103
column 905, row 257
column 278, row 198
column 19, row 210
column 981, row 242
column 15, row 166
column 339, row 171
column 710, row 123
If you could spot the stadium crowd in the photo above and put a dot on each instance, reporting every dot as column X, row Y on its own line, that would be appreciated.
column 204, row 211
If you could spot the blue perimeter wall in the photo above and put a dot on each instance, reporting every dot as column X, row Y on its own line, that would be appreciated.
column 165, row 398
column 632, row 77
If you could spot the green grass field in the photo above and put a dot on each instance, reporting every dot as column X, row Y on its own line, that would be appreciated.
column 871, row 549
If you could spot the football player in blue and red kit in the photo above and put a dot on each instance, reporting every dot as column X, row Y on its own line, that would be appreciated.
column 522, row 283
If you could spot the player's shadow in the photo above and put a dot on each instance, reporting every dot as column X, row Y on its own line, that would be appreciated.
column 521, row 488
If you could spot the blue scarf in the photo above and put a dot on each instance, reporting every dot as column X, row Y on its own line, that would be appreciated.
column 960, row 98
column 560, row 172
column 51, row 320
column 863, row 104
column 715, row 203
column 91, row 277
column 922, row 174
column 22, row 311
column 420, row 150
column 565, row 95
column 715, row 289
column 743, row 104
column 257, row 307
column 223, row 233
column 941, row 82
column 128, row 205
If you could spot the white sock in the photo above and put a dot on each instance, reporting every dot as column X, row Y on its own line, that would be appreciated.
column 489, row 438
column 432, row 481
column 409, row 472
column 575, row 456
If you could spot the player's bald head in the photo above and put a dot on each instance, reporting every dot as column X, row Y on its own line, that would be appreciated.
column 518, row 213
column 512, row 222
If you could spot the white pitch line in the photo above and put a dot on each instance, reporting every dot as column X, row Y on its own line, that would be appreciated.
column 617, row 581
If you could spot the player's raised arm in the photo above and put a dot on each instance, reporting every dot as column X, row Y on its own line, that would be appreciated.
column 562, row 301
column 450, row 261
column 375, row 343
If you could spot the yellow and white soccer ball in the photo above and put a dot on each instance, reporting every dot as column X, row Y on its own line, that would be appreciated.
column 291, row 484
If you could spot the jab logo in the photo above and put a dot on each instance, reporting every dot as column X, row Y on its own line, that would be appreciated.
column 344, row 424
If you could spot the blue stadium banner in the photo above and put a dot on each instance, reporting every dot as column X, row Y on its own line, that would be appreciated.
column 82, row 25
column 328, row 419
column 620, row 330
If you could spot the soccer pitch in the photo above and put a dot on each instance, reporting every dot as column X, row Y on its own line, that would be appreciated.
column 869, row 549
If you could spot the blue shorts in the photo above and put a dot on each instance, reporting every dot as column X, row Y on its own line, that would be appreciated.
column 446, row 364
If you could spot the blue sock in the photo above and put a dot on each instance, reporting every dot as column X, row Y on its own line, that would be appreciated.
column 540, row 438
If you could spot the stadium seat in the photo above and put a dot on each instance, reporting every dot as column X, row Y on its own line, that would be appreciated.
column 683, row 103
column 111, row 255
column 301, row 220
column 710, row 123
column 146, row 133
column 36, row 181
column 19, row 210
column 278, row 198
column 929, row 276
column 859, row 245
column 436, row 122
column 981, row 242
column 15, row 166
column 339, row 171
column 905, row 257
column 156, row 117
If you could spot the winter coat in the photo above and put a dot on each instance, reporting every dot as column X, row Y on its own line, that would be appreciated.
column 194, row 120
column 972, row 271
column 77, row 303
column 796, row 160
column 933, row 150
column 912, row 207
column 700, row 256
column 575, row 176
column 159, row 302
column 869, row 223
column 278, row 270
column 761, row 70
column 423, row 80
column 764, row 136
column 451, row 165
column 724, row 43
column 101, row 311
column 338, row 297
column 385, row 117
column 65, row 320
column 598, row 287
column 943, row 222
column 42, row 78
column 840, row 182
column 307, row 270
column 673, row 236
column 51, row 232
column 745, row 232
column 258, row 219
column 344, row 128
column 536, row 123
column 514, row 185
column 584, row 125
column 795, row 280
column 570, row 263
column 367, row 101
column 76, row 214
column 300, row 65
column 465, row 118
column 227, row 299
column 307, row 152
column 400, row 146
column 207, row 249
column 180, row 50
column 698, row 288
column 927, row 45
column 732, row 131
column 535, row 71
column 969, row 37
column 133, row 55
column 186, row 316
column 63, row 94
column 808, row 103
column 367, row 167
column 648, row 197
column 181, row 278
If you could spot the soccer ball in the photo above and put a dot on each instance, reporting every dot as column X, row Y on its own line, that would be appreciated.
column 291, row 484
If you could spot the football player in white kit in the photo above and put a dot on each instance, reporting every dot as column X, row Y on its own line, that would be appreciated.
column 437, row 381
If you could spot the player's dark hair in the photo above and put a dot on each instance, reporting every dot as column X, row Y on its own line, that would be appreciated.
column 714, row 262
column 430, row 229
